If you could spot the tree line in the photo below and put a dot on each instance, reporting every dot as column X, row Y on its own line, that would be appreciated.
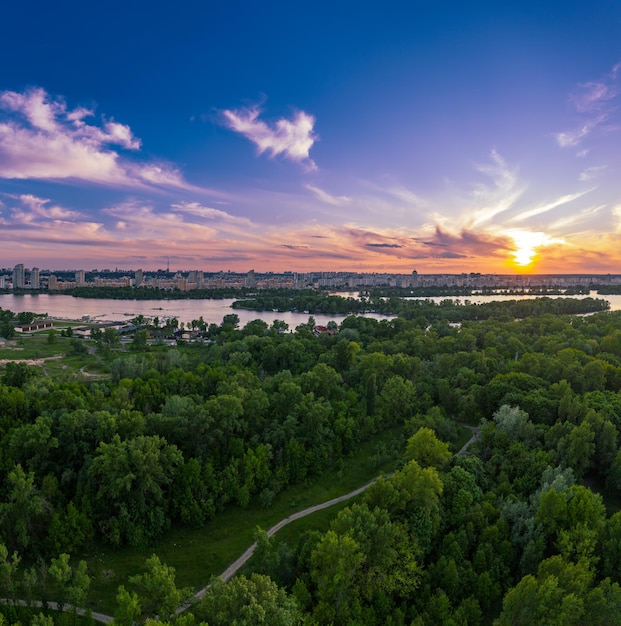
column 449, row 309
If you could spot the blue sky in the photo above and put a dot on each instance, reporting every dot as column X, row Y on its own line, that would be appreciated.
column 437, row 136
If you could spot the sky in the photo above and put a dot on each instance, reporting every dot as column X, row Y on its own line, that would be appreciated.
column 436, row 136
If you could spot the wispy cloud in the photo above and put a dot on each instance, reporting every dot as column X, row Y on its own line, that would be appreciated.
column 594, row 100
column 592, row 172
column 42, row 138
column 194, row 208
column 292, row 138
column 574, row 137
column 616, row 213
column 491, row 200
column 324, row 196
column 36, row 207
column 592, row 96
column 549, row 206
column 409, row 197
column 584, row 215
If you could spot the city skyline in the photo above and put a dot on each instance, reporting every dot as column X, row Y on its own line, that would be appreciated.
column 447, row 137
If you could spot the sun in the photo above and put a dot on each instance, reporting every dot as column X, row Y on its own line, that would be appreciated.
column 523, row 257
column 527, row 244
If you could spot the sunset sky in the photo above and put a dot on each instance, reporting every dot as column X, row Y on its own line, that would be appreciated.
column 441, row 136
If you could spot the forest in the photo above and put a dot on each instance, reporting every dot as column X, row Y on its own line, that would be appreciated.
column 524, row 527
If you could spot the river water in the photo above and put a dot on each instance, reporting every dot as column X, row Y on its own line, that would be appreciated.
column 103, row 309
column 212, row 311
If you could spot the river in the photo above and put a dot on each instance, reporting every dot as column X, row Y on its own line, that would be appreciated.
column 212, row 311
column 103, row 309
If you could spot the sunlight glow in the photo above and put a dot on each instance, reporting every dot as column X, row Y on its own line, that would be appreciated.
column 527, row 244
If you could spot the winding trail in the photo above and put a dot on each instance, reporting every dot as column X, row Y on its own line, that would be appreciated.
column 234, row 567
column 475, row 430
column 98, row 617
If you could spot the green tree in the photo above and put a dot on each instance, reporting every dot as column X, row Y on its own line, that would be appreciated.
column 129, row 484
column 128, row 608
column 139, row 343
column 9, row 565
column 72, row 584
column 17, row 374
column 562, row 594
column 246, row 602
column 157, row 594
column 336, row 563
column 427, row 450
column 24, row 514
column 398, row 400
column 110, row 338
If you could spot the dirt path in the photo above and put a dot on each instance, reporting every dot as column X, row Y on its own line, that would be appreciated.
column 475, row 435
column 32, row 361
column 98, row 617
column 234, row 567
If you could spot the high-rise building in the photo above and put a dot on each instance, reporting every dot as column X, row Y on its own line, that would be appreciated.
column 251, row 280
column 138, row 278
column 53, row 283
column 80, row 277
column 34, row 278
column 19, row 276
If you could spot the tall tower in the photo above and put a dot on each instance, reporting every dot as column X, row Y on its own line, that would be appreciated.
column 251, row 279
column 34, row 278
column 138, row 278
column 80, row 277
column 19, row 280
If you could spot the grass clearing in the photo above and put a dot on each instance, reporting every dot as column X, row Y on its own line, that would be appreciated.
column 33, row 347
column 197, row 554
column 53, row 358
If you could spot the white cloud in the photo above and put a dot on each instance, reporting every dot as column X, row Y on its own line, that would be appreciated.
column 570, row 138
column 33, row 209
column 585, row 214
column 194, row 208
column 406, row 196
column 592, row 96
column 592, row 172
column 500, row 196
column 41, row 138
column 549, row 206
column 594, row 100
column 324, row 196
column 291, row 138
column 616, row 213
